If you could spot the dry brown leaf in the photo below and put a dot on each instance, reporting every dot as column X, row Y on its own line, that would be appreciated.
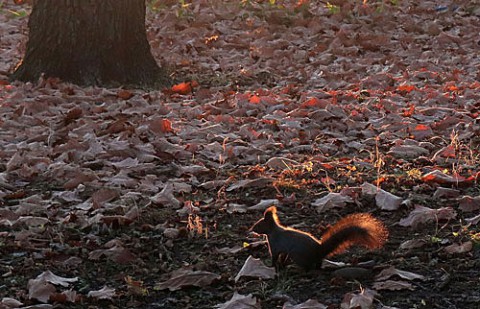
column 255, row 268
column 309, row 304
column 387, row 201
column 392, row 271
column 469, row 204
column 422, row 215
column 258, row 183
column 408, row 151
column 10, row 303
column 391, row 285
column 187, row 278
column 363, row 300
column 166, row 197
column 460, row 248
column 412, row 244
column 264, row 204
column 445, row 193
column 103, row 293
column 331, row 200
column 227, row 250
column 281, row 163
column 42, row 287
column 102, row 196
column 473, row 220
column 241, row 302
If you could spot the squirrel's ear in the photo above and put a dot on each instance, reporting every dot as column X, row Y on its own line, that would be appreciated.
column 270, row 213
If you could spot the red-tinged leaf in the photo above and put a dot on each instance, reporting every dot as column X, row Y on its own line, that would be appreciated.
column 410, row 111
column 125, row 94
column 420, row 132
column 166, row 126
column 254, row 99
column 327, row 166
column 421, row 127
column 437, row 176
column 161, row 125
column 406, row 88
column 446, row 152
column 182, row 88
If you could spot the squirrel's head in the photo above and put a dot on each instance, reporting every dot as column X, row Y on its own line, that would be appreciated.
column 267, row 223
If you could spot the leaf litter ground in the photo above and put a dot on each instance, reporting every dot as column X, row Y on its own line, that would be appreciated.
column 112, row 192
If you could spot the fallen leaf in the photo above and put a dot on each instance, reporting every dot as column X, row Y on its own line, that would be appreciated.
column 469, row 204
column 331, row 200
column 392, row 271
column 460, row 248
column 309, row 304
column 186, row 278
column 391, row 285
column 264, row 204
column 387, row 201
column 166, row 197
column 363, row 300
column 281, row 163
column 258, row 183
column 241, row 302
column 103, row 293
column 422, row 215
column 255, row 268
column 42, row 287
column 408, row 151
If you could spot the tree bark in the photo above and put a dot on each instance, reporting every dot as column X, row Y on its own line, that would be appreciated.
column 90, row 42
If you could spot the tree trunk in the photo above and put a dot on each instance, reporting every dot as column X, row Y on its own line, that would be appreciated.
column 90, row 42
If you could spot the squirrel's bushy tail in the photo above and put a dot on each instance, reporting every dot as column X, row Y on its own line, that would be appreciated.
column 356, row 229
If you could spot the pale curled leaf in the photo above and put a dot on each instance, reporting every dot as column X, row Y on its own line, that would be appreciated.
column 255, row 268
column 460, row 248
column 363, row 300
column 408, row 151
column 392, row 271
column 309, row 304
column 40, row 290
column 469, row 204
column 264, row 204
column 422, row 215
column 103, row 293
column 227, row 250
column 473, row 220
column 281, row 163
column 239, row 301
column 391, row 285
column 188, row 278
column 166, row 197
column 387, row 201
column 258, row 183
column 412, row 244
column 332, row 200
column 48, row 276
column 10, row 302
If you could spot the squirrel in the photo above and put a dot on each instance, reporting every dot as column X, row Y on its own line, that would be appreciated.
column 307, row 251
